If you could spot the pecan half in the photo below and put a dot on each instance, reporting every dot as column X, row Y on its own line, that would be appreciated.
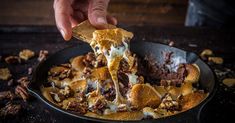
column 21, row 91
column 10, row 109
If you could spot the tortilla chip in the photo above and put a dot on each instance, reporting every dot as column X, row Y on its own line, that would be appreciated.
column 84, row 31
column 115, row 36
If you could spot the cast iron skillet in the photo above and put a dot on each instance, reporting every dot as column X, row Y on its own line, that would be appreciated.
column 207, row 78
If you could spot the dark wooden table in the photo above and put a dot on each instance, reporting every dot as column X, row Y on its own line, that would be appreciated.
column 221, row 41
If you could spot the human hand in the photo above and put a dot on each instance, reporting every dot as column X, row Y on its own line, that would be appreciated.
column 68, row 13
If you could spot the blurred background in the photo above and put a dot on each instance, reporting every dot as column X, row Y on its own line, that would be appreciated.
column 128, row 12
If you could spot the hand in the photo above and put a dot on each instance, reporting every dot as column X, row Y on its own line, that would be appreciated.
column 68, row 13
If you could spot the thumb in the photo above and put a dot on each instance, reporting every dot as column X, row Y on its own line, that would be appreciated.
column 97, row 12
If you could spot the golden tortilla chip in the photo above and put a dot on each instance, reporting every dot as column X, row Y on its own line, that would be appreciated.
column 84, row 31
column 115, row 36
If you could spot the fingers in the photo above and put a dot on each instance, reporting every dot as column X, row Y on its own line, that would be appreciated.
column 111, row 20
column 63, row 13
column 77, row 17
column 97, row 12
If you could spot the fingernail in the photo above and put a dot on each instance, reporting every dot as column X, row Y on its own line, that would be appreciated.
column 62, row 32
column 64, row 35
column 101, row 20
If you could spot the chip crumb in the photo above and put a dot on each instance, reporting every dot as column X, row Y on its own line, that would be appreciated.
column 30, row 71
column 42, row 55
column 229, row 82
column 10, row 82
column 26, row 54
column 216, row 60
column 5, row 74
column 22, row 92
column 12, row 60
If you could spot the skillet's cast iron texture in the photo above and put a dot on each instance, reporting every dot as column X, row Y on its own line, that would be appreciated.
column 207, row 79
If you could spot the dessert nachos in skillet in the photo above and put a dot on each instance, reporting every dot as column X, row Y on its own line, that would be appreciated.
column 113, row 83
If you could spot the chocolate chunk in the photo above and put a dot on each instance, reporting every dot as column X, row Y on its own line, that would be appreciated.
column 78, row 107
column 90, row 60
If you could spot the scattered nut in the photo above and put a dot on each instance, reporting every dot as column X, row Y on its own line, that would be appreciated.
column 6, row 95
column 12, row 60
column 5, row 74
column 42, row 55
column 24, row 81
column 229, row 82
column 10, row 109
column 30, row 71
column 21, row 91
column 26, row 54
column 216, row 60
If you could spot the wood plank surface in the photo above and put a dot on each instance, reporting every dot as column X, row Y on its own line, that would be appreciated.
column 129, row 12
